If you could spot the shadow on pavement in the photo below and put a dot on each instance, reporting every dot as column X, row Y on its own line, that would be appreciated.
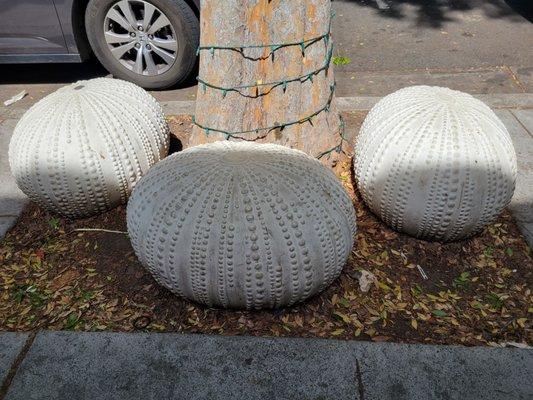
column 63, row 73
column 50, row 73
column 433, row 13
column 523, row 7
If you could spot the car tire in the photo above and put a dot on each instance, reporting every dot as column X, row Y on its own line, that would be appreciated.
column 184, row 24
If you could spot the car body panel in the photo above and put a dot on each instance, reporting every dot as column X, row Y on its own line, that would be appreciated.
column 66, row 18
column 42, row 31
column 30, row 27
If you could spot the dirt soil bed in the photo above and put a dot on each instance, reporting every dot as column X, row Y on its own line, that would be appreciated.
column 477, row 291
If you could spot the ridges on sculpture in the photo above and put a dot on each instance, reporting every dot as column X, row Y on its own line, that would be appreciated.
column 435, row 163
column 242, row 225
column 81, row 150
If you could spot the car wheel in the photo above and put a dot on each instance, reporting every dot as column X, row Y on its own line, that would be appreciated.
column 151, row 43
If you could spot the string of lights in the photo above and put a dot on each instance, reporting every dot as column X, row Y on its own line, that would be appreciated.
column 244, row 90
column 303, row 44
column 272, row 85
column 281, row 127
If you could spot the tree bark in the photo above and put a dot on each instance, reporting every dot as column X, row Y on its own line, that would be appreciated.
column 235, row 23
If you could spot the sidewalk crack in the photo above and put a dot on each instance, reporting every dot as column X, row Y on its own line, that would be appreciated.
column 359, row 378
column 520, row 123
column 16, row 364
column 515, row 78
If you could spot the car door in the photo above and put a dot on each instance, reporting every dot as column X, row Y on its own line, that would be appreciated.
column 30, row 27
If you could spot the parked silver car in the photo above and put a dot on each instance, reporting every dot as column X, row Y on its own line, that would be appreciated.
column 150, row 42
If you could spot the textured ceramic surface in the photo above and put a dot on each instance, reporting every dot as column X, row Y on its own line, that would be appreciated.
column 81, row 150
column 435, row 163
column 242, row 225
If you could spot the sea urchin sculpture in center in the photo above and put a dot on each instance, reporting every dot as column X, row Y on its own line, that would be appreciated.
column 242, row 225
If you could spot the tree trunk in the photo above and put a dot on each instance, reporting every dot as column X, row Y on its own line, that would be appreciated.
column 291, row 86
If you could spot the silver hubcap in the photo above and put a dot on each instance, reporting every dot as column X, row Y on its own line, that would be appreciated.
column 140, row 37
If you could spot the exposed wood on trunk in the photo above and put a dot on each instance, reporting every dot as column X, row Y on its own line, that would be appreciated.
column 264, row 22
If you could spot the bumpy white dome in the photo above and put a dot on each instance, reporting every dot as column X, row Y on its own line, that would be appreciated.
column 81, row 150
column 242, row 225
column 435, row 163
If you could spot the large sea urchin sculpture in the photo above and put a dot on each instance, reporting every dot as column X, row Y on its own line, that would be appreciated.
column 242, row 225
column 81, row 150
column 435, row 163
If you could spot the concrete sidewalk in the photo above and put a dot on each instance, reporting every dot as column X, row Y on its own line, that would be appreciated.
column 116, row 366
column 12, row 200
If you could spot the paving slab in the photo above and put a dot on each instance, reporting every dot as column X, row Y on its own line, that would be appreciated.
column 395, row 371
column 11, row 344
column 525, row 117
column 507, row 100
column 513, row 101
column 521, row 129
column 67, row 365
column 12, row 200
column 522, row 202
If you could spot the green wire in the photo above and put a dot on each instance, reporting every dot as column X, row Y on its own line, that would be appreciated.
column 274, row 47
column 337, row 148
column 302, row 79
column 235, row 134
column 303, row 44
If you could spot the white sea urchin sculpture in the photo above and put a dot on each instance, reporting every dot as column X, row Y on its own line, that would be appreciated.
column 242, row 225
column 435, row 163
column 81, row 150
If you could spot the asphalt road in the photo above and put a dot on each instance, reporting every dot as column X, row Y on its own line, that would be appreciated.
column 480, row 46
column 437, row 34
